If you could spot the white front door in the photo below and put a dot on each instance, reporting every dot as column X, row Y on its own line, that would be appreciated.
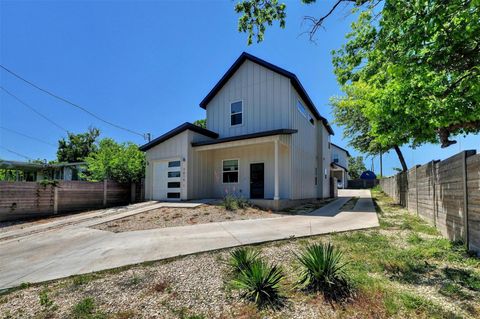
column 166, row 181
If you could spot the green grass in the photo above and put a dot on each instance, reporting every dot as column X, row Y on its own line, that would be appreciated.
column 405, row 250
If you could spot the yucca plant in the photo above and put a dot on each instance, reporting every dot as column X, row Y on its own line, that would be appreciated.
column 322, row 269
column 260, row 283
column 241, row 258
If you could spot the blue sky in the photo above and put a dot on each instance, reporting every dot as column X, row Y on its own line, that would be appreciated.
column 147, row 65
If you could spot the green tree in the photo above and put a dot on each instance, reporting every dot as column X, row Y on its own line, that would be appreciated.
column 413, row 64
column 123, row 163
column 202, row 123
column 419, row 69
column 78, row 146
column 348, row 112
column 356, row 167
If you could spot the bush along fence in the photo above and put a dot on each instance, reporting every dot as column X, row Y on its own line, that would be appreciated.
column 20, row 200
column 444, row 193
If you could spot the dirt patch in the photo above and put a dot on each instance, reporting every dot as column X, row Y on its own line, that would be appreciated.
column 348, row 206
column 171, row 217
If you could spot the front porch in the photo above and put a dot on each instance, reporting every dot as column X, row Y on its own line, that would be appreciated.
column 340, row 173
column 256, row 168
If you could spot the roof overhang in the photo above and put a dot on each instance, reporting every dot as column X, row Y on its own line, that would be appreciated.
column 291, row 76
column 337, row 166
column 242, row 140
column 179, row 129
column 341, row 148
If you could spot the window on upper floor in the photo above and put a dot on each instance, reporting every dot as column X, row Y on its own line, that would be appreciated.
column 335, row 158
column 236, row 113
column 305, row 113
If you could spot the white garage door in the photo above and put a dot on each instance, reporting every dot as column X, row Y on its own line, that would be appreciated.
column 166, row 180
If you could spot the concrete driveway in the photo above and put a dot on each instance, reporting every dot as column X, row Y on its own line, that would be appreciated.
column 76, row 249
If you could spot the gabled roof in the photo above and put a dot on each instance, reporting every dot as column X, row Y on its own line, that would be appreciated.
column 179, row 129
column 246, row 136
column 293, row 80
column 348, row 154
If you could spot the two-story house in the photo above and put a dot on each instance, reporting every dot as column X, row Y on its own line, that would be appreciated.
column 339, row 165
column 265, row 141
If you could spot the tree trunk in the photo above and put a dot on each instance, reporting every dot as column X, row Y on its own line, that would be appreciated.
column 400, row 157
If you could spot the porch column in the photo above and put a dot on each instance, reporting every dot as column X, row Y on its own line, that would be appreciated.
column 276, row 187
column 344, row 175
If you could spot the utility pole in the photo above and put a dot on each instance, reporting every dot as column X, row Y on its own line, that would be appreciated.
column 381, row 165
column 147, row 137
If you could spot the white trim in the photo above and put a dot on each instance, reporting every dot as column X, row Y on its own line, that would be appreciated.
column 230, row 113
column 238, row 170
column 276, row 189
column 181, row 189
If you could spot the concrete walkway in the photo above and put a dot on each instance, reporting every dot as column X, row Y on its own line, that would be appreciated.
column 76, row 249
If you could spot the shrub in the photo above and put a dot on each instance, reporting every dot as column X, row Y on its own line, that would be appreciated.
column 260, row 283
column 48, row 305
column 323, row 270
column 231, row 202
column 86, row 309
column 242, row 258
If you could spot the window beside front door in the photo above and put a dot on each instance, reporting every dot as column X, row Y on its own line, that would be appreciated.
column 230, row 171
column 236, row 113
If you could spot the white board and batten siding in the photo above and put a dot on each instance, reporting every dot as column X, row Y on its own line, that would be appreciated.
column 173, row 149
column 324, row 162
column 247, row 155
column 304, row 151
column 341, row 155
column 265, row 97
column 200, row 166
column 195, row 167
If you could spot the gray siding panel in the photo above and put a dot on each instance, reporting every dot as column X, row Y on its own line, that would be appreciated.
column 176, row 147
column 265, row 96
column 304, row 152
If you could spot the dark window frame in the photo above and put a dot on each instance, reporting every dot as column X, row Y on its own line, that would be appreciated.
column 174, row 164
column 236, row 115
column 173, row 184
column 230, row 176
column 169, row 173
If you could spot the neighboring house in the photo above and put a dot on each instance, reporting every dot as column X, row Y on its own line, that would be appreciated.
column 31, row 172
column 264, row 141
column 339, row 165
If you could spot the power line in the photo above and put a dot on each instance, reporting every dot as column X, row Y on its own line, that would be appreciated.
column 71, row 103
column 27, row 136
column 16, row 153
column 33, row 109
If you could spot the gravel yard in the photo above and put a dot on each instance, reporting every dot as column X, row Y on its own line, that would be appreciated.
column 207, row 213
column 20, row 224
column 171, row 217
column 402, row 270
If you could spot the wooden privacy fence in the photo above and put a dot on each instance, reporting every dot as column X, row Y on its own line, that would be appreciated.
column 444, row 193
column 19, row 200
